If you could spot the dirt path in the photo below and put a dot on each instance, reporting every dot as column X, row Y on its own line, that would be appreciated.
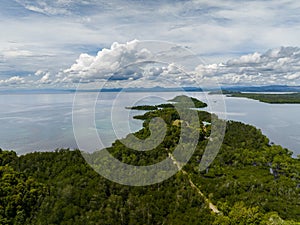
column 209, row 203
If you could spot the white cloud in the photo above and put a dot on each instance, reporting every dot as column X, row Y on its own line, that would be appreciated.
column 293, row 76
column 246, row 59
column 280, row 66
column 117, row 63
column 45, row 78
column 39, row 73
column 15, row 80
column 208, row 27
column 13, row 53
column 122, row 62
column 133, row 64
column 50, row 34
column 55, row 7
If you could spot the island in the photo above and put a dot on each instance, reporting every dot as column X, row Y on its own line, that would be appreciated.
column 251, row 181
column 286, row 98
column 178, row 100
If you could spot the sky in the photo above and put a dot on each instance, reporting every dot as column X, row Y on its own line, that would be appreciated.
column 136, row 43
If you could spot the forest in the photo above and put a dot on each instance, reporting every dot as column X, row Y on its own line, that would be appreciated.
column 175, row 101
column 290, row 98
column 251, row 181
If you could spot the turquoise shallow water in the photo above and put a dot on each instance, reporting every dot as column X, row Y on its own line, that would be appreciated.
column 43, row 122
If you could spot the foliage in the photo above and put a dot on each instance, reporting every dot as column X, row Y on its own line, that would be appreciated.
column 143, row 107
column 177, row 101
column 20, row 196
column 184, row 99
column 292, row 98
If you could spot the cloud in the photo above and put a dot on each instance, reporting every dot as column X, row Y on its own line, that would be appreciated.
column 14, row 53
column 55, row 7
column 51, row 34
column 275, row 66
column 39, row 73
column 135, row 64
column 15, row 80
column 45, row 79
column 205, row 26
column 62, row 7
column 116, row 63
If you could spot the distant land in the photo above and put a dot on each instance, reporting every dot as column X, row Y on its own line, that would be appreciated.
column 263, row 88
column 268, row 88
column 139, row 89
column 278, row 98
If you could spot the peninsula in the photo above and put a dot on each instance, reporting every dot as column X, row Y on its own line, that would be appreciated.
column 250, row 182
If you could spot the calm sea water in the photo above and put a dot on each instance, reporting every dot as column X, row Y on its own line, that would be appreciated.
column 43, row 122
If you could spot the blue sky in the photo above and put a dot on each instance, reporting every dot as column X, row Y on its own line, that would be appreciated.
column 56, row 43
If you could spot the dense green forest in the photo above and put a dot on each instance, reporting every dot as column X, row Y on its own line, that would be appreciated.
column 291, row 98
column 250, row 182
column 181, row 99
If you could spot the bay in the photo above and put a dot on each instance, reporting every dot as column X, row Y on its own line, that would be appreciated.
column 43, row 122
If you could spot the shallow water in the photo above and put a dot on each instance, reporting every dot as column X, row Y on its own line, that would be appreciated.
column 43, row 122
